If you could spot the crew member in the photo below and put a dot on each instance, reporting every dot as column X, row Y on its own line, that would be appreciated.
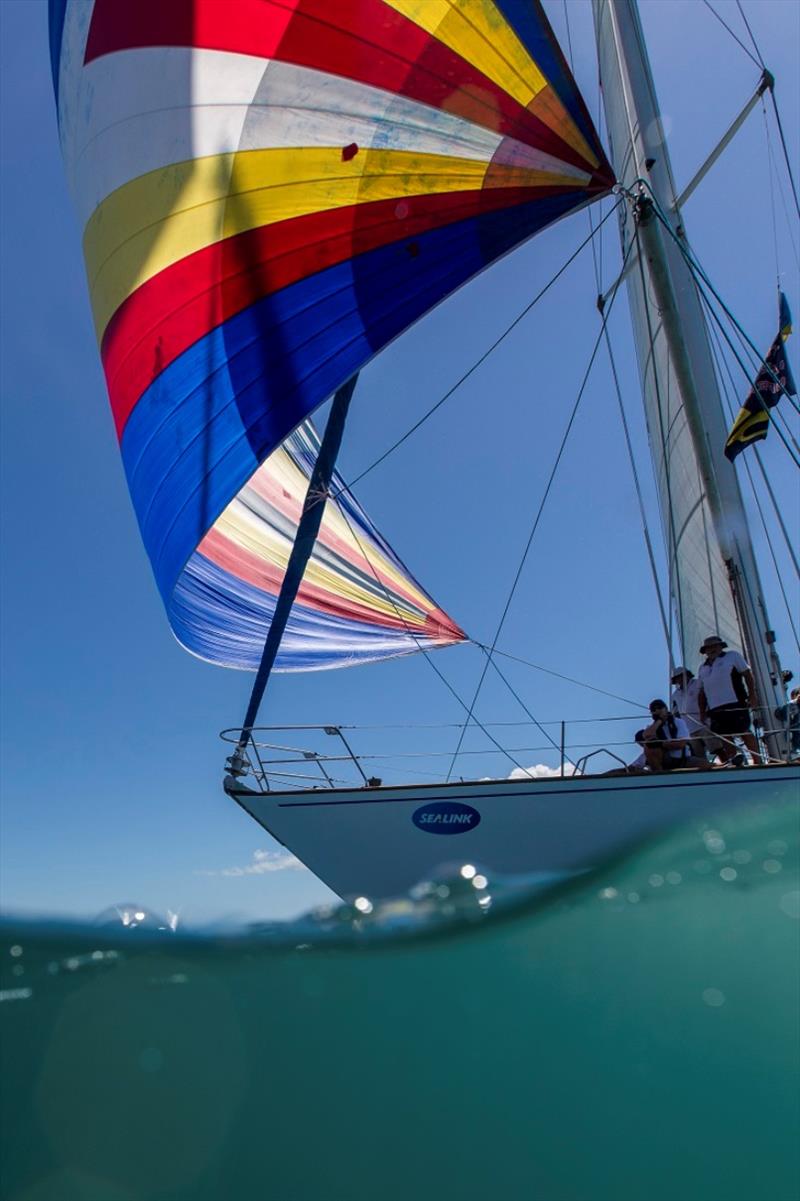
column 666, row 741
column 686, row 704
column 727, row 689
column 790, row 714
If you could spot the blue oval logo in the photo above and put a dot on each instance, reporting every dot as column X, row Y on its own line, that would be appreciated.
column 446, row 817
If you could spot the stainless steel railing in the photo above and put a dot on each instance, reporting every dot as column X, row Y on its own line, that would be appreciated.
column 291, row 757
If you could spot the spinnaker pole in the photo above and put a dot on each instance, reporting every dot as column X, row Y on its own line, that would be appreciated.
column 715, row 574
column 307, row 531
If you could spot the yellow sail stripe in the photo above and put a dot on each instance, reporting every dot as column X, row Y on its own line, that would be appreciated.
column 481, row 35
column 163, row 216
column 478, row 32
column 281, row 468
column 238, row 524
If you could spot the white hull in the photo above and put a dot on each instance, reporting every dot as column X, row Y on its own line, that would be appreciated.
column 364, row 842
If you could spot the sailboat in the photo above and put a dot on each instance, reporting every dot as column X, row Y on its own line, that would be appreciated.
column 273, row 191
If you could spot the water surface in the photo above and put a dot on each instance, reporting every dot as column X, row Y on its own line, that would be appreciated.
column 632, row 1035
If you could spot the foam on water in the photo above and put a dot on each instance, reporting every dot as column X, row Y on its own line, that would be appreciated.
column 632, row 1034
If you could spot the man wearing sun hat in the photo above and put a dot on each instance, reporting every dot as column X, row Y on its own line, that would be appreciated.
column 727, row 690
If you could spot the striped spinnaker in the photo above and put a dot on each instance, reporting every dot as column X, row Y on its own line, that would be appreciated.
column 270, row 191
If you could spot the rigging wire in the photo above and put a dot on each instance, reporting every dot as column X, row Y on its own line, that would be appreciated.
column 569, row 37
column 569, row 679
column 715, row 316
column 699, row 275
column 639, row 497
column 478, row 362
column 524, row 707
column 771, row 177
column 749, row 30
column 348, row 487
column 727, row 388
column 540, row 510
column 597, row 253
column 675, row 590
column 759, row 62
column 786, row 158
column 774, row 105
column 720, row 360
column 425, row 652
column 775, row 178
column 730, row 31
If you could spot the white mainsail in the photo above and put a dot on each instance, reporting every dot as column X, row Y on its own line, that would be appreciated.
column 713, row 576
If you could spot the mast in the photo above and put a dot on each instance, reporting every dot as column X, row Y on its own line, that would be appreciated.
column 714, row 580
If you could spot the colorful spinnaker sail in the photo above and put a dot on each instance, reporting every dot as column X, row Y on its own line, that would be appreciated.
column 270, row 191
column 357, row 601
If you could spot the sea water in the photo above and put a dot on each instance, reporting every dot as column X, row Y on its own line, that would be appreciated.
column 631, row 1036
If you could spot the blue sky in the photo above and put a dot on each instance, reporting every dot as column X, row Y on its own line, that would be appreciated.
column 111, row 758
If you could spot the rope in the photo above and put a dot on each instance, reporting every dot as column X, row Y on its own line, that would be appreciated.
column 537, row 519
column 357, row 479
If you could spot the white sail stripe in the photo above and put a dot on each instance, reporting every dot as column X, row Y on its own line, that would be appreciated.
column 77, row 19
column 147, row 109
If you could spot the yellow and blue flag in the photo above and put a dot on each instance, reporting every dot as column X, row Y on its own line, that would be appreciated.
column 774, row 378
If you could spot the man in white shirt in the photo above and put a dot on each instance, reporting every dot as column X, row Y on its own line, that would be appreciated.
column 727, row 688
column 686, row 704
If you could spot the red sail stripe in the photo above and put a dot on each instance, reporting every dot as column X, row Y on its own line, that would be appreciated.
column 181, row 304
column 265, row 576
column 269, row 489
column 393, row 54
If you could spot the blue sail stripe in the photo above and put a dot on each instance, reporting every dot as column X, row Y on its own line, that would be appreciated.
column 214, row 414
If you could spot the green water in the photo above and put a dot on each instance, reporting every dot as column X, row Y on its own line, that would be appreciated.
column 633, row 1037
